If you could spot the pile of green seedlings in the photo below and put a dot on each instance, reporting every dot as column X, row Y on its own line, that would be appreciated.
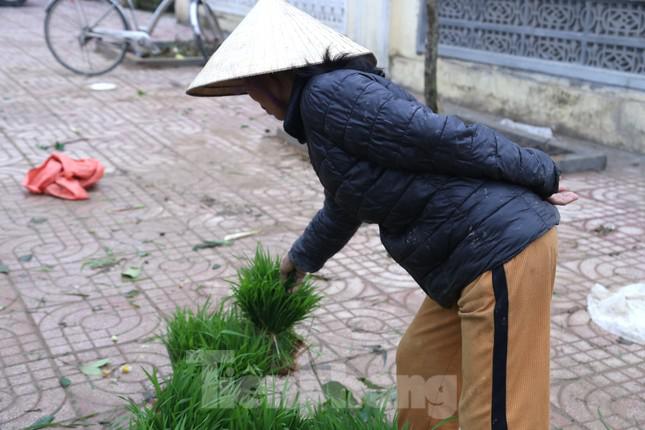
column 220, row 358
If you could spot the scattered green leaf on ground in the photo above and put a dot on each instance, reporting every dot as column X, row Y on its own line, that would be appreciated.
column 207, row 244
column 141, row 93
column 42, row 422
column 131, row 273
column 378, row 349
column 604, row 229
column 48, row 422
column 602, row 420
column 4, row 268
column 132, row 294
column 25, row 258
column 38, row 220
column 369, row 384
column 46, row 268
column 142, row 254
column 244, row 126
column 43, row 147
column 208, row 201
column 82, row 295
column 216, row 266
column 101, row 263
column 64, row 381
column 130, row 208
column 58, row 146
column 94, row 368
column 338, row 393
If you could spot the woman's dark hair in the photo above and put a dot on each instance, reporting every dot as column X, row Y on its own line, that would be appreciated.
column 340, row 61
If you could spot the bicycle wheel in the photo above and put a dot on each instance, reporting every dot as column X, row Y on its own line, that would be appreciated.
column 13, row 3
column 206, row 30
column 76, row 34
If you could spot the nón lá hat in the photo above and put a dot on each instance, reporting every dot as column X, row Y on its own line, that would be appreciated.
column 274, row 36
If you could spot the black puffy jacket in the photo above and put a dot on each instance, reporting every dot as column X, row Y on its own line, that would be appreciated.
column 451, row 200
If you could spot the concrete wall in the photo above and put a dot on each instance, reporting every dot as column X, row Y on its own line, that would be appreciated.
column 609, row 115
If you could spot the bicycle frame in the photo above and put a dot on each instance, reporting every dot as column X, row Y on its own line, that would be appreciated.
column 142, row 32
column 154, row 19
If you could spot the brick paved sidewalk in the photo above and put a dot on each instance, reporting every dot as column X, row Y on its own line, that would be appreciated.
column 181, row 170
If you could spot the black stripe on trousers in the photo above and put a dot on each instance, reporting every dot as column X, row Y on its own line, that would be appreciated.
column 500, row 347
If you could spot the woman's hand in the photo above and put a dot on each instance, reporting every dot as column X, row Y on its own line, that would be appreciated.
column 289, row 272
column 563, row 197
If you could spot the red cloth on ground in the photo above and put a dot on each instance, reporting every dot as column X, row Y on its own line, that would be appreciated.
column 64, row 177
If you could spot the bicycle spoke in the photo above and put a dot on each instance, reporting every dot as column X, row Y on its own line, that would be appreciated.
column 81, row 12
column 87, row 57
column 77, row 18
column 101, row 18
column 212, row 24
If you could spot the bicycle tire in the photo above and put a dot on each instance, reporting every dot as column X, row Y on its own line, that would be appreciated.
column 201, row 9
column 120, row 53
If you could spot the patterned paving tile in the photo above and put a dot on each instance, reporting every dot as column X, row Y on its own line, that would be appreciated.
column 31, row 390
column 91, row 394
column 180, row 170
column 90, row 324
column 21, row 340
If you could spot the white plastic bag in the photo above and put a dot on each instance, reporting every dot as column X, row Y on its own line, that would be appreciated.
column 620, row 311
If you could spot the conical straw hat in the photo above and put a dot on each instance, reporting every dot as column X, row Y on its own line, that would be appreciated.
column 274, row 36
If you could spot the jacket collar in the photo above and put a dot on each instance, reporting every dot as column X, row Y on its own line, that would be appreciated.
column 293, row 124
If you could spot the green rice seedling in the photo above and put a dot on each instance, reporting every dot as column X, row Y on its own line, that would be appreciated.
column 218, row 336
column 198, row 398
column 264, row 299
column 341, row 410
column 330, row 416
column 262, row 410
column 179, row 402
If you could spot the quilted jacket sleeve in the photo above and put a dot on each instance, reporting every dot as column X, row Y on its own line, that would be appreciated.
column 361, row 114
column 329, row 230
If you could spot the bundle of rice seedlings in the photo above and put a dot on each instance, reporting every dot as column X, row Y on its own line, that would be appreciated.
column 222, row 337
column 265, row 300
column 267, row 411
column 179, row 402
column 198, row 398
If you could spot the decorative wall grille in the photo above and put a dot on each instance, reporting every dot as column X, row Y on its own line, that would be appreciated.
column 568, row 37
column 331, row 12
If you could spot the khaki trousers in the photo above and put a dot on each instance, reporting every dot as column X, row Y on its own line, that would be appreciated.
column 485, row 360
